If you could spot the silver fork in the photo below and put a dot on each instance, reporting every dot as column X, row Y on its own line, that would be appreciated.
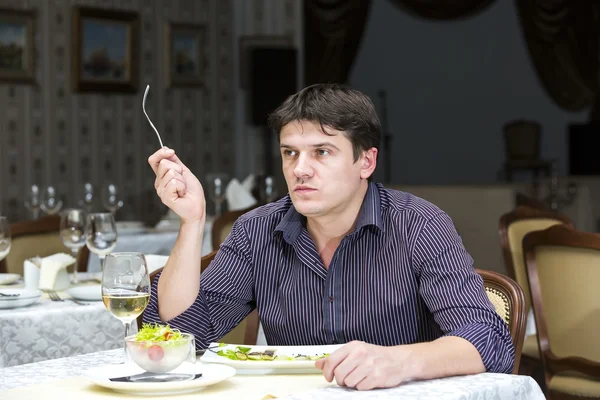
column 53, row 295
column 148, row 118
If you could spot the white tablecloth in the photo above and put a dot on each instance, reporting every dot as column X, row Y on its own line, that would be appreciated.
column 151, row 242
column 480, row 387
column 53, row 329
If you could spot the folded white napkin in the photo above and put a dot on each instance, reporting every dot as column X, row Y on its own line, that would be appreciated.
column 238, row 197
column 53, row 271
column 249, row 182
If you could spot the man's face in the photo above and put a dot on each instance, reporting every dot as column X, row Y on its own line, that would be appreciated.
column 320, row 171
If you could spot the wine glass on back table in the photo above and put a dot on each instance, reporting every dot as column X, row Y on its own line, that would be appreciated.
column 101, row 234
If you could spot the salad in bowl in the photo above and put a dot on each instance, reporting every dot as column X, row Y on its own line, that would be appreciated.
column 160, row 348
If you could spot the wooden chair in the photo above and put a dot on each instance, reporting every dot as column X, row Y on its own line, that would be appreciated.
column 522, row 143
column 513, row 227
column 223, row 224
column 38, row 238
column 509, row 301
column 245, row 333
column 531, row 202
column 563, row 266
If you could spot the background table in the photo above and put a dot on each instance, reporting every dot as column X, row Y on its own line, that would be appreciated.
column 58, row 378
column 151, row 241
column 55, row 329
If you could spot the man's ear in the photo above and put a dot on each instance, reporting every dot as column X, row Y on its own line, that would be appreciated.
column 369, row 162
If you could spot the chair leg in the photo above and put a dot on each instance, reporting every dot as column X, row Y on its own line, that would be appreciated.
column 533, row 367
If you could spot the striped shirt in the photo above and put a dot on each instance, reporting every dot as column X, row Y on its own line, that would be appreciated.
column 401, row 276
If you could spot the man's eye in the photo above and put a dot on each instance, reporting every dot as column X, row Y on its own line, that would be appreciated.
column 289, row 153
column 323, row 152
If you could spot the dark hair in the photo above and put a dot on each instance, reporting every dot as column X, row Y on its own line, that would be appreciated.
column 335, row 106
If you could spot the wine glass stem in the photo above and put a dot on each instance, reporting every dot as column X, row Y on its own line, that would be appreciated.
column 101, row 262
column 127, row 327
column 75, row 252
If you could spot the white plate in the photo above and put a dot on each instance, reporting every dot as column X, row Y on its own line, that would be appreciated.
column 210, row 375
column 290, row 366
column 86, row 293
column 7, row 279
column 26, row 297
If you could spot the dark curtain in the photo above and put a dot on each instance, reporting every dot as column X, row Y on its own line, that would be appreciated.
column 443, row 9
column 563, row 41
column 332, row 33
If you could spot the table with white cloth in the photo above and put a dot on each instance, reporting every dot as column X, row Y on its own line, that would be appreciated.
column 55, row 329
column 151, row 241
column 62, row 379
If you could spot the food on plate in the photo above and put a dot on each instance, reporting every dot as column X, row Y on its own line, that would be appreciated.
column 242, row 353
column 159, row 348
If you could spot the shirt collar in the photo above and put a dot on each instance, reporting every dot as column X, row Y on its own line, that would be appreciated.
column 293, row 222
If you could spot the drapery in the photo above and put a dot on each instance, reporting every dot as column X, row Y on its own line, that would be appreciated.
column 563, row 41
column 443, row 9
column 562, row 37
column 332, row 33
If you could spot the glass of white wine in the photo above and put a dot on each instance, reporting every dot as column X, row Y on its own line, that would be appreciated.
column 125, row 286
column 5, row 240
column 101, row 234
column 72, row 233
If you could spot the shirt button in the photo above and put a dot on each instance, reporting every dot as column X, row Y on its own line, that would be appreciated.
column 331, row 299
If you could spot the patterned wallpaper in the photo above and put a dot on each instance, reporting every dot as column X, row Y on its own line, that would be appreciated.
column 50, row 135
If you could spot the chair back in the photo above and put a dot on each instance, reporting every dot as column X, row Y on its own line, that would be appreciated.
column 247, row 330
column 509, row 301
column 522, row 140
column 563, row 267
column 38, row 238
column 223, row 224
column 513, row 227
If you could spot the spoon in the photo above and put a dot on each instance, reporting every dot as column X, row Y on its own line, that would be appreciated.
column 144, row 108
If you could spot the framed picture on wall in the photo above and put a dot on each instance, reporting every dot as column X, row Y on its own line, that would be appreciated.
column 185, row 45
column 247, row 43
column 16, row 46
column 105, row 52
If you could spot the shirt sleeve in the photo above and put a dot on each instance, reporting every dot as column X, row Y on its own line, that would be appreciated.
column 225, row 297
column 455, row 295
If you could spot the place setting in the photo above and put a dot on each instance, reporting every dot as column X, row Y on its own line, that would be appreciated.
column 159, row 360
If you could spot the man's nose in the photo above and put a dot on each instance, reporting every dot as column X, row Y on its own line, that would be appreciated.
column 303, row 167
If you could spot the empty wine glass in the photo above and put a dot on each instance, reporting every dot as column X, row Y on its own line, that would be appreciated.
column 110, row 198
column 32, row 201
column 270, row 190
column 5, row 240
column 72, row 233
column 125, row 286
column 100, row 234
column 217, row 190
column 51, row 203
column 87, row 202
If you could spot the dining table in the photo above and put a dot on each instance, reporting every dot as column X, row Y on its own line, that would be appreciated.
column 159, row 240
column 63, row 327
column 66, row 378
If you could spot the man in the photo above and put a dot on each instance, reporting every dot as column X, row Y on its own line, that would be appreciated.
column 338, row 260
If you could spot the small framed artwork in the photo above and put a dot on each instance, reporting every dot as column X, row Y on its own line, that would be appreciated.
column 247, row 43
column 16, row 46
column 185, row 45
column 105, row 53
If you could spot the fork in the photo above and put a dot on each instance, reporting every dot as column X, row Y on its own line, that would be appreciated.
column 53, row 295
column 147, row 117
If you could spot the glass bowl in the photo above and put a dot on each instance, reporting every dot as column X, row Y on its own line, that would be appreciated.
column 161, row 356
